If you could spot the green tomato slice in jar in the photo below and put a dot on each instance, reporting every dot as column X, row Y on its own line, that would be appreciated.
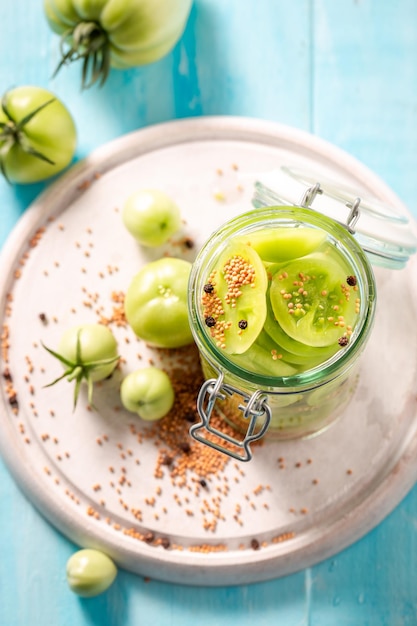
column 284, row 244
column 312, row 301
column 297, row 352
column 234, row 304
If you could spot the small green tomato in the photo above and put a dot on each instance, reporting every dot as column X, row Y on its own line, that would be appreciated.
column 151, row 217
column 156, row 303
column 87, row 352
column 90, row 572
column 147, row 392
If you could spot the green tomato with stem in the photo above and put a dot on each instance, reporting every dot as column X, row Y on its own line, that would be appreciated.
column 88, row 353
column 37, row 135
column 115, row 33
column 147, row 392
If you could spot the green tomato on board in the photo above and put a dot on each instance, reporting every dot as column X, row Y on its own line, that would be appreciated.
column 151, row 217
column 88, row 353
column 156, row 303
column 147, row 392
column 90, row 572
column 115, row 33
column 37, row 135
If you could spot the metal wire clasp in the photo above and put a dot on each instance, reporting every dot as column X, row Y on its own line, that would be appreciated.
column 253, row 408
column 310, row 195
column 354, row 214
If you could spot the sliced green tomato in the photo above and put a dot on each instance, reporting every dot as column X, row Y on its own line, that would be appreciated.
column 301, row 353
column 277, row 245
column 260, row 361
column 325, row 307
column 301, row 362
column 247, row 308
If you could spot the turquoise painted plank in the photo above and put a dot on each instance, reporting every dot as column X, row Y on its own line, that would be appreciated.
column 251, row 60
column 375, row 580
column 365, row 94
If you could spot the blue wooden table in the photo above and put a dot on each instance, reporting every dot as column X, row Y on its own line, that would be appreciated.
column 345, row 71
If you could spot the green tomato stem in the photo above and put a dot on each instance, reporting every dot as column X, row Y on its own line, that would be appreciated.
column 75, row 373
column 87, row 41
column 78, row 370
column 12, row 133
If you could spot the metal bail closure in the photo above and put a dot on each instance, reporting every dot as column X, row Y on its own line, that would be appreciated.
column 354, row 213
column 384, row 231
column 253, row 407
column 310, row 194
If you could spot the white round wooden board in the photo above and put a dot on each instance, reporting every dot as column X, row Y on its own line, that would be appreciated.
column 89, row 471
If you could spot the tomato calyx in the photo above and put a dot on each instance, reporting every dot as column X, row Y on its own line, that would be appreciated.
column 12, row 133
column 79, row 370
column 87, row 41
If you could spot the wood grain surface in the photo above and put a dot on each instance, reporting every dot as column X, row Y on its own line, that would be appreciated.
column 343, row 70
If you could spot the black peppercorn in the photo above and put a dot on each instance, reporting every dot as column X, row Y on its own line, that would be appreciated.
column 255, row 545
column 343, row 341
column 189, row 243
column 351, row 280
column 165, row 542
column 210, row 321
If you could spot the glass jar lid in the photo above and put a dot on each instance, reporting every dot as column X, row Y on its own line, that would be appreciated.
column 387, row 236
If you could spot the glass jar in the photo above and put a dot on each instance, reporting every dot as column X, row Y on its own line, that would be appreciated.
column 313, row 387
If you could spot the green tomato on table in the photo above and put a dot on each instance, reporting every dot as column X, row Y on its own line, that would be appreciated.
column 151, row 217
column 90, row 572
column 37, row 135
column 115, row 33
column 156, row 303
column 147, row 392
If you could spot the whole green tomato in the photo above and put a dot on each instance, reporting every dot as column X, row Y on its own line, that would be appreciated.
column 147, row 392
column 90, row 572
column 37, row 135
column 117, row 33
column 156, row 303
column 87, row 352
column 151, row 217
